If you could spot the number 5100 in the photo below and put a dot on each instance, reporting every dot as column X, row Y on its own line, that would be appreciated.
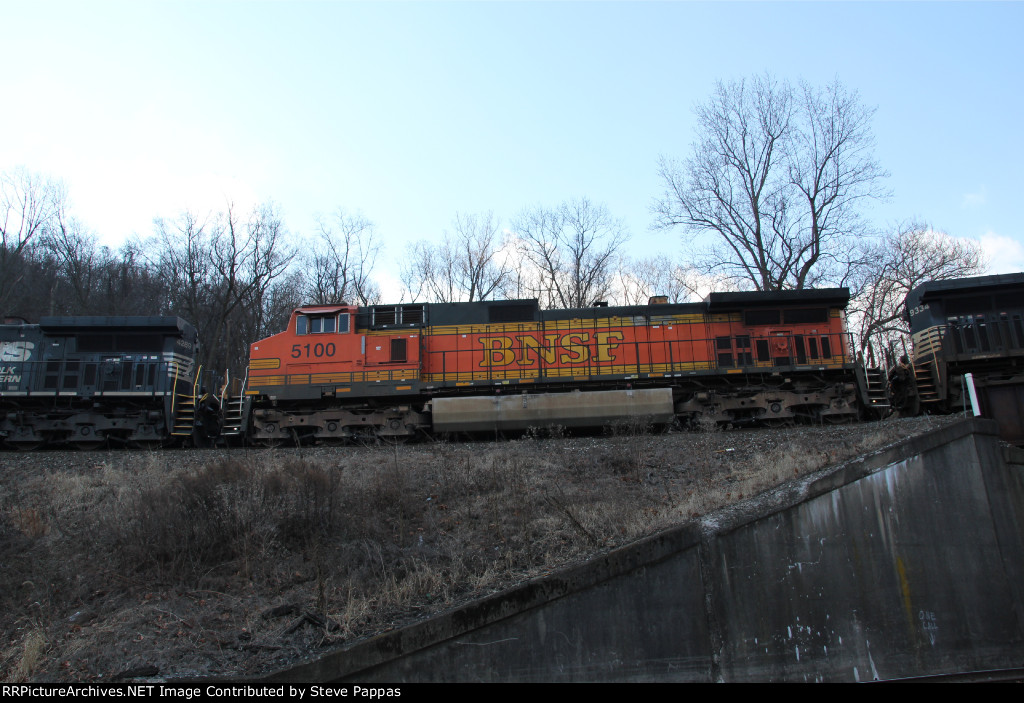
column 316, row 350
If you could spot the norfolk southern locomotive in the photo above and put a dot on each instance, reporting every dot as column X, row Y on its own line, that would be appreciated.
column 85, row 381
column 969, row 326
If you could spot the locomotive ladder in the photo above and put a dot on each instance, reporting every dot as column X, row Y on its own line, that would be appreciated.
column 233, row 406
column 184, row 407
column 874, row 385
column 924, row 379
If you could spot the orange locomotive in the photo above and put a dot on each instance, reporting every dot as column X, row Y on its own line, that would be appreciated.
column 342, row 371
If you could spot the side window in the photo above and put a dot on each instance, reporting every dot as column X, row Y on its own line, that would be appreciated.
column 301, row 324
column 343, row 323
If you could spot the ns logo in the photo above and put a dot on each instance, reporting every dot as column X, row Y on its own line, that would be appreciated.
column 16, row 351
column 13, row 352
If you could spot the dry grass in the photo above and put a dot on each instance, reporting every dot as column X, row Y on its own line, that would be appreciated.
column 118, row 560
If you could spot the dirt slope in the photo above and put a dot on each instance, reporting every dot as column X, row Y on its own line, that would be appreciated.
column 236, row 562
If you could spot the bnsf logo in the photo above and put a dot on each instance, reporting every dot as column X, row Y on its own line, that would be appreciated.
column 571, row 348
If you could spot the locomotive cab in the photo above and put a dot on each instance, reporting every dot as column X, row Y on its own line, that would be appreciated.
column 337, row 371
column 317, row 341
column 323, row 353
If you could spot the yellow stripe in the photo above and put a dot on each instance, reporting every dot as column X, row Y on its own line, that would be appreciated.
column 259, row 364
column 256, row 381
column 573, row 324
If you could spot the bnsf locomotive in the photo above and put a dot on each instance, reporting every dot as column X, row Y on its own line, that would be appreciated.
column 85, row 381
column 391, row 371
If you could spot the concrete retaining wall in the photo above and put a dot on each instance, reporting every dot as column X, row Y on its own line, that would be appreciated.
column 908, row 562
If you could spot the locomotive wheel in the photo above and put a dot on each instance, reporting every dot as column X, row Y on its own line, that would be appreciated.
column 333, row 442
column 90, row 446
column 269, row 442
column 149, row 444
column 838, row 419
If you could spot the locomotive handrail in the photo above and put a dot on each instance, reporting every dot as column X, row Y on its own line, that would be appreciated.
column 174, row 387
column 224, row 388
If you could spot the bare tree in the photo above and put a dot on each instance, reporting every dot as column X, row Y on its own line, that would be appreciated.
column 912, row 255
column 341, row 262
column 218, row 271
column 127, row 284
column 28, row 206
column 572, row 251
column 181, row 255
column 283, row 295
column 776, row 176
column 641, row 279
column 77, row 256
column 270, row 258
column 469, row 264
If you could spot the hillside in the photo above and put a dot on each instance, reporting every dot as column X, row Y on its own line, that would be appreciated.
column 237, row 562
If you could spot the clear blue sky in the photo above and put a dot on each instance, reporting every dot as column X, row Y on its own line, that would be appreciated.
column 413, row 112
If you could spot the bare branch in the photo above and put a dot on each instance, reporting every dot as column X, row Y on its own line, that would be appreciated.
column 571, row 250
column 775, row 177
column 912, row 255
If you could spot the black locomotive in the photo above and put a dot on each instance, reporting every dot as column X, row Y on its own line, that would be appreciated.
column 968, row 336
column 86, row 381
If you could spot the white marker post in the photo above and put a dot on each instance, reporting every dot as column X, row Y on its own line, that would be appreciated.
column 974, row 395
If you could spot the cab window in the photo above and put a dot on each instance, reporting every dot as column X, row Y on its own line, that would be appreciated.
column 322, row 324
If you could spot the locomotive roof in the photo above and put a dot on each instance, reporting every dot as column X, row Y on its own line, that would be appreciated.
column 528, row 310
column 759, row 299
column 314, row 309
column 935, row 290
column 120, row 323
